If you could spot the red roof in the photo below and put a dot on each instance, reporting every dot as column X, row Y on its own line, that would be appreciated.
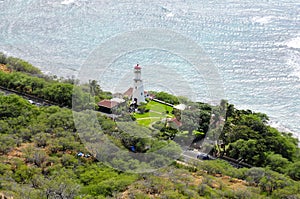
column 128, row 92
column 177, row 122
column 151, row 96
column 108, row 103
column 137, row 67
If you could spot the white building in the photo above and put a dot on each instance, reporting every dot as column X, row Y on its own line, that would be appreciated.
column 138, row 94
column 180, row 107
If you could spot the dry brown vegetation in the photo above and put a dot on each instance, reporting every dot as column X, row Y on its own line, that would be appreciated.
column 4, row 68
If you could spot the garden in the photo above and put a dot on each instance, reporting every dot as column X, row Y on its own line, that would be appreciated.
column 153, row 112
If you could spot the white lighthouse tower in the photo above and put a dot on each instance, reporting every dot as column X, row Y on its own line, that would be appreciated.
column 138, row 94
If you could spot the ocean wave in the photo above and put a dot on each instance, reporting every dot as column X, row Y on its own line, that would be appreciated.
column 280, row 127
column 283, row 128
column 170, row 14
column 293, row 43
column 263, row 20
column 68, row 2
column 293, row 58
column 295, row 72
column 5, row 52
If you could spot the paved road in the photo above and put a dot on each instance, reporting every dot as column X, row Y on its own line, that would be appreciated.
column 191, row 155
column 32, row 99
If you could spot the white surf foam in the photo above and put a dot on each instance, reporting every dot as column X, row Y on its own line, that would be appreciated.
column 296, row 67
column 293, row 43
column 5, row 52
column 263, row 20
column 170, row 14
column 293, row 56
column 282, row 128
column 67, row 2
column 279, row 127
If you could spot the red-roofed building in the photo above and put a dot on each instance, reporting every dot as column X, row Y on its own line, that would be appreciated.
column 128, row 93
column 107, row 106
column 173, row 122
column 148, row 95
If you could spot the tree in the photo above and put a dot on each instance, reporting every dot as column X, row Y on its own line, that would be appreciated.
column 63, row 118
column 241, row 132
column 276, row 162
column 60, row 93
column 14, row 106
column 94, row 88
column 254, row 175
column 143, row 108
column 250, row 151
column 24, row 173
column 7, row 143
column 190, row 120
column 2, row 58
column 166, row 97
column 61, row 185
column 272, row 181
column 68, row 160
column 294, row 170
column 35, row 156
column 41, row 139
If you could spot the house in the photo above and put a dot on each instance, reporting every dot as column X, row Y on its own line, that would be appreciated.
column 180, row 107
column 174, row 123
column 117, row 99
column 107, row 106
column 117, row 95
column 128, row 93
column 149, row 95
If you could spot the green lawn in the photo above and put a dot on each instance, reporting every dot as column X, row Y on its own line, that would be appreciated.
column 155, row 106
column 157, row 112
column 146, row 122
column 149, row 114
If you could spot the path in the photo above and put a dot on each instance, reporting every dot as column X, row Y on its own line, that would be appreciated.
column 162, row 102
column 146, row 118
column 35, row 99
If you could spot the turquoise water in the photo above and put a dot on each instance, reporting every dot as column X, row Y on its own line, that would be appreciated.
column 255, row 45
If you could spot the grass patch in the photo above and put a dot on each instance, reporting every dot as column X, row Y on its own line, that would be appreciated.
column 157, row 112
column 158, row 107
column 146, row 122
column 149, row 114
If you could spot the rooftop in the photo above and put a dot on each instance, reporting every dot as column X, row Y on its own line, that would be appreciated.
column 116, row 99
column 137, row 67
column 180, row 107
column 177, row 122
column 108, row 103
column 129, row 92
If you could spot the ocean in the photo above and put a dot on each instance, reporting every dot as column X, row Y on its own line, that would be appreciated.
column 253, row 45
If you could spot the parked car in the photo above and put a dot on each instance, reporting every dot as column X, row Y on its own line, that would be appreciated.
column 203, row 156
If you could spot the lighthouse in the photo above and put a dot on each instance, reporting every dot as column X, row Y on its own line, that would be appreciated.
column 138, row 94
